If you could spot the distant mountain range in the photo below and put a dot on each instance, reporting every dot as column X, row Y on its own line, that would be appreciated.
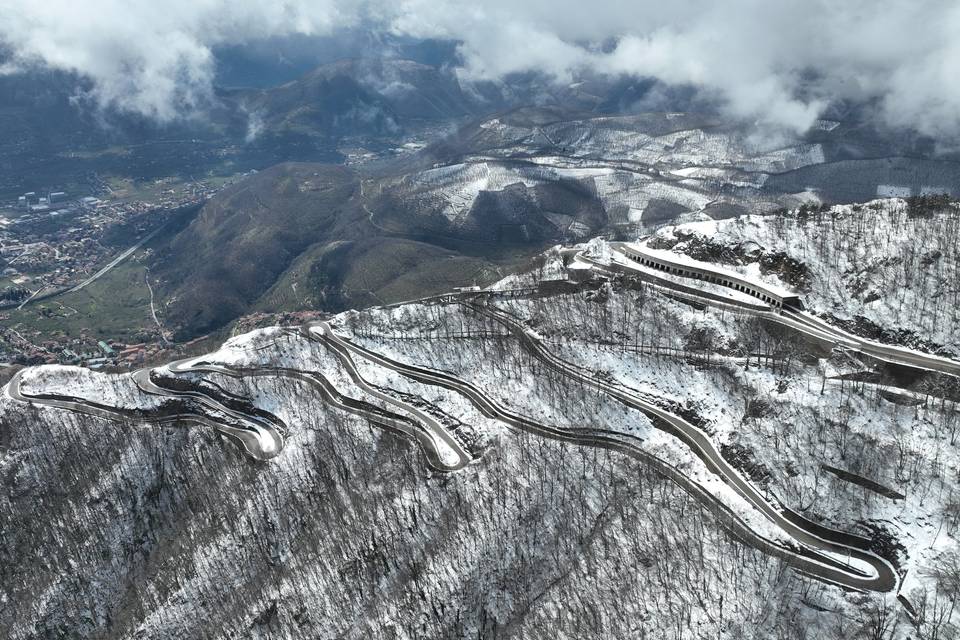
column 510, row 168
column 498, row 189
column 50, row 134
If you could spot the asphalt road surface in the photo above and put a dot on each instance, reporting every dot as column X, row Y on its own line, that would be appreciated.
column 815, row 550
column 814, row 542
column 801, row 321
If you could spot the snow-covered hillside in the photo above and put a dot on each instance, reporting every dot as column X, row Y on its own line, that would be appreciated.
column 452, row 191
column 876, row 268
column 651, row 139
column 349, row 532
column 634, row 170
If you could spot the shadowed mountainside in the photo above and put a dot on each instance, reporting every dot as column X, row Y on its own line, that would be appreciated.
column 300, row 236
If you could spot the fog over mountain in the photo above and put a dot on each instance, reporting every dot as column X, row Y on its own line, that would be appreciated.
column 781, row 63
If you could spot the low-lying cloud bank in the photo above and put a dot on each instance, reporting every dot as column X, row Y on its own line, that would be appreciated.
column 779, row 62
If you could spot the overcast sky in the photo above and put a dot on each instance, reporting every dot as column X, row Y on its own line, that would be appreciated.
column 154, row 57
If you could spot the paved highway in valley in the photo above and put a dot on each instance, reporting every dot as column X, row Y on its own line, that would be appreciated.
column 120, row 258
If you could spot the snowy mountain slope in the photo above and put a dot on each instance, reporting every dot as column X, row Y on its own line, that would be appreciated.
column 681, row 140
column 306, row 552
column 876, row 267
column 496, row 190
column 348, row 533
column 642, row 169
column 452, row 191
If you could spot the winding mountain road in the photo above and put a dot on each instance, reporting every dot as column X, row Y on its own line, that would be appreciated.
column 700, row 443
column 261, row 439
column 833, row 556
column 415, row 424
column 250, row 439
column 816, row 546
column 815, row 550
column 797, row 319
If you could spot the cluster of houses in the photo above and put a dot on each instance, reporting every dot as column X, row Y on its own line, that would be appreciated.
column 116, row 354
column 80, row 351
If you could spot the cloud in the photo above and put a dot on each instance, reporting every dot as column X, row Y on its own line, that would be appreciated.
column 778, row 62
column 145, row 56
